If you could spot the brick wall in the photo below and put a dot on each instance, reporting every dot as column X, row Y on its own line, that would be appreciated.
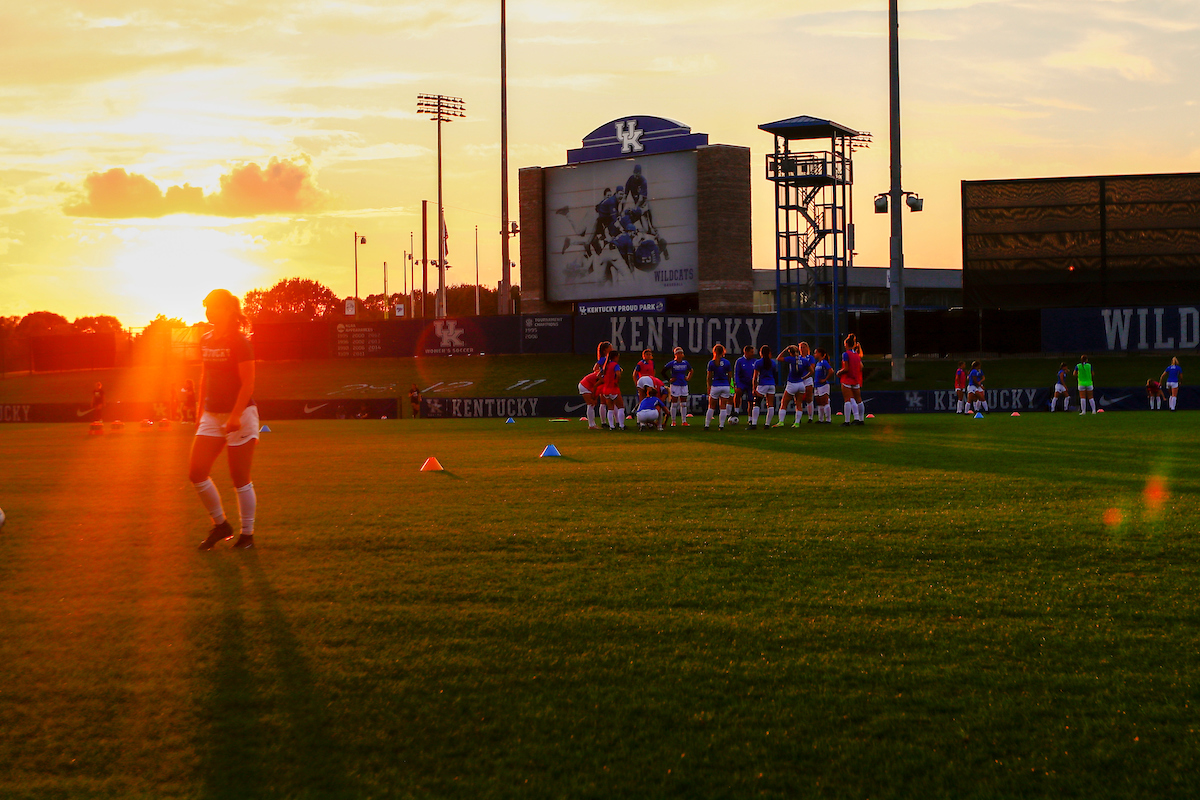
column 723, row 219
column 532, row 184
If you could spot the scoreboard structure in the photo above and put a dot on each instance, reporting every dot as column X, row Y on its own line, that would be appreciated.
column 1081, row 242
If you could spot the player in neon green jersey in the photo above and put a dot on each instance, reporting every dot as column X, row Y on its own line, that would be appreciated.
column 1083, row 371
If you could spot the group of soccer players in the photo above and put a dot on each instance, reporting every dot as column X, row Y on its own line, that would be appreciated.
column 663, row 394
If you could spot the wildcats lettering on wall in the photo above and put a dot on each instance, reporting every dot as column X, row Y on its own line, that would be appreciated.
column 664, row 332
column 1084, row 330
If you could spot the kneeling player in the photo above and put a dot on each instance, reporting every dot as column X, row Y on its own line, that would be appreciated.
column 643, row 374
column 718, row 387
column 651, row 411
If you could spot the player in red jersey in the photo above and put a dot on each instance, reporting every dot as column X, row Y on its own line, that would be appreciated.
column 642, row 372
column 850, row 376
column 960, row 388
column 587, row 388
column 610, row 391
column 1154, row 394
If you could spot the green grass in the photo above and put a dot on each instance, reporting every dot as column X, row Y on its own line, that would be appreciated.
column 501, row 376
column 925, row 607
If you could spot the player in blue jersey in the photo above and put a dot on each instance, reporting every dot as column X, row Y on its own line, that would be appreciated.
column 651, row 411
column 976, row 394
column 789, row 360
column 806, row 398
column 636, row 188
column 679, row 372
column 765, row 373
column 1170, row 379
column 743, row 381
column 822, row 369
column 719, row 372
column 1060, row 388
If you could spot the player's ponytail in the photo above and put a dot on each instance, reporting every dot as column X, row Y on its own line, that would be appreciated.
column 225, row 302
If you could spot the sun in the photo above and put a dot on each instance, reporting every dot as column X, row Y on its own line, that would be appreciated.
column 168, row 267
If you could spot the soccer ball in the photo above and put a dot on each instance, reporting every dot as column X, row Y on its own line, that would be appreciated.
column 734, row 420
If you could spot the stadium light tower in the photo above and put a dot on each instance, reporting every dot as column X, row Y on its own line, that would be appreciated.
column 357, row 241
column 505, row 236
column 441, row 109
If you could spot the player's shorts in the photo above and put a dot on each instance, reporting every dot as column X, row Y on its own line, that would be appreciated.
column 645, row 382
column 851, row 385
column 679, row 391
column 1060, row 389
column 214, row 425
column 584, row 390
column 766, row 388
column 649, row 415
column 974, row 390
column 960, row 389
column 720, row 392
column 1085, row 387
column 807, row 383
column 612, row 396
column 1172, row 384
column 821, row 391
column 744, row 389
column 794, row 388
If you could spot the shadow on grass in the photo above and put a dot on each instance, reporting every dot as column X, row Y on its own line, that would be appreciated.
column 271, row 732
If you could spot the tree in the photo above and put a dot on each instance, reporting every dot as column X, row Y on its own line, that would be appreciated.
column 42, row 323
column 292, row 299
column 161, row 325
column 100, row 324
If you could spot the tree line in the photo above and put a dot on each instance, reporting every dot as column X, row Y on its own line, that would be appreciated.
column 289, row 300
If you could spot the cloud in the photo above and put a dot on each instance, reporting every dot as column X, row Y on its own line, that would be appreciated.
column 282, row 187
column 1106, row 51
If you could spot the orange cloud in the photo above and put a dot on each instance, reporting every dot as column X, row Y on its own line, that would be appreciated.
column 282, row 187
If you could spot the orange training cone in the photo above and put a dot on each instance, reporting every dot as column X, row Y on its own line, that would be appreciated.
column 431, row 465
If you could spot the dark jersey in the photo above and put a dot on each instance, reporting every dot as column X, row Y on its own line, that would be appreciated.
column 97, row 398
column 765, row 367
column 636, row 187
column 221, row 357
column 743, row 372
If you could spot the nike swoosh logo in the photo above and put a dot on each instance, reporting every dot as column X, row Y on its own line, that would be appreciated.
column 309, row 409
column 85, row 413
column 571, row 408
column 1104, row 401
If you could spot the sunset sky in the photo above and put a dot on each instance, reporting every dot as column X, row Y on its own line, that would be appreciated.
column 151, row 151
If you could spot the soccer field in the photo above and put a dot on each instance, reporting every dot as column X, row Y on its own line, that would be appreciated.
column 928, row 606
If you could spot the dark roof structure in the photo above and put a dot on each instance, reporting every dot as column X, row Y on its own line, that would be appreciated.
column 806, row 127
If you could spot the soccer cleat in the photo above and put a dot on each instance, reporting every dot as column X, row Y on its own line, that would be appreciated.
column 845, row 424
column 217, row 534
column 858, row 422
column 751, row 426
column 797, row 424
column 687, row 424
column 244, row 542
column 705, row 427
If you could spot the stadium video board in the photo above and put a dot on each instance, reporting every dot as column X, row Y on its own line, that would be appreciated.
column 1081, row 242
column 622, row 228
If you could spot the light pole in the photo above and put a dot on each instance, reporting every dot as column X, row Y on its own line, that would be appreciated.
column 505, row 273
column 477, row 270
column 357, row 241
column 441, row 109
column 386, row 302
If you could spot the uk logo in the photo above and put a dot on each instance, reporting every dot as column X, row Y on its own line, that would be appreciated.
column 915, row 401
column 450, row 334
column 630, row 136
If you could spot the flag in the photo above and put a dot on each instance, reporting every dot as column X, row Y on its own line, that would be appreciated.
column 445, row 236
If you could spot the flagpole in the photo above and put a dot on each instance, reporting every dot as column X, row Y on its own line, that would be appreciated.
column 477, row 270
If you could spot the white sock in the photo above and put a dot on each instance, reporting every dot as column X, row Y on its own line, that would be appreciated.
column 754, row 415
column 770, row 414
column 591, row 416
column 783, row 414
column 612, row 418
column 247, row 502
column 621, row 418
column 984, row 404
column 958, row 408
column 1171, row 402
column 1053, row 404
column 724, row 416
column 847, row 411
column 859, row 408
column 708, row 418
column 211, row 499
column 1067, row 403
column 1092, row 403
column 809, row 408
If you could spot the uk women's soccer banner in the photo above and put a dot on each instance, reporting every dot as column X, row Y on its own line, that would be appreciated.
column 1096, row 330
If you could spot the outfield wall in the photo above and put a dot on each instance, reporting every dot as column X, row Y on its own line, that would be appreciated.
column 464, row 336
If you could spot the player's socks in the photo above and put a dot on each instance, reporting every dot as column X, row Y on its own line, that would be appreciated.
column 591, row 416
column 1092, row 403
column 1053, row 404
column 247, row 502
column 621, row 418
column 847, row 411
column 708, row 418
column 754, row 415
column 723, row 418
column 959, row 408
column 770, row 413
column 1171, row 402
column 860, row 411
column 810, row 408
column 984, row 404
column 1066, row 404
column 782, row 414
column 211, row 499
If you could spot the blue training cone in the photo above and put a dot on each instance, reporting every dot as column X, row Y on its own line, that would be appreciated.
column 550, row 450
column 510, row 421
column 264, row 429
column 978, row 415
